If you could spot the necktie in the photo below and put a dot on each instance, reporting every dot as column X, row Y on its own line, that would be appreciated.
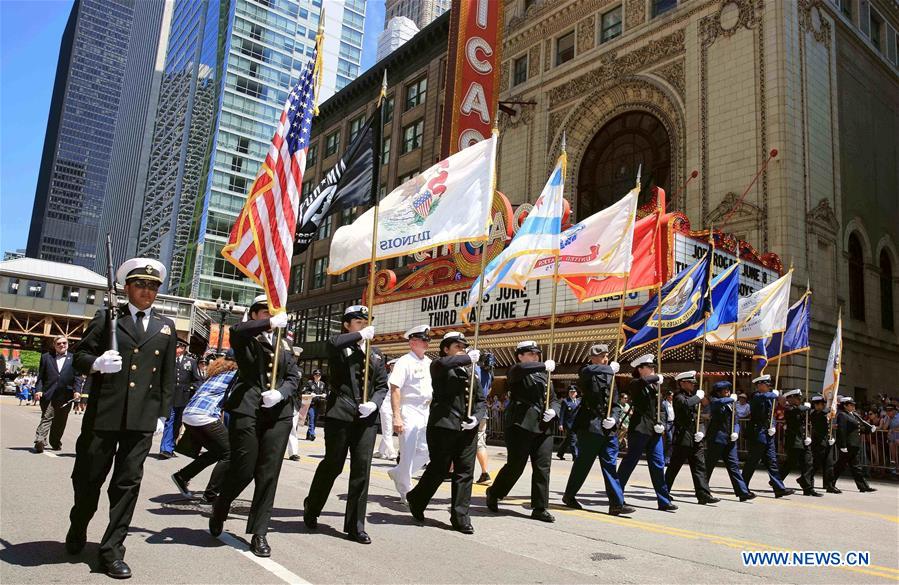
column 139, row 324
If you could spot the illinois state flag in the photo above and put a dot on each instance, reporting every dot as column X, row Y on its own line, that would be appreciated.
column 448, row 203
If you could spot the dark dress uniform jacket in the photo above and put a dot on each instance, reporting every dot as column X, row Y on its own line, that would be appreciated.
column 57, row 385
column 819, row 426
column 795, row 428
column 346, row 363
column 595, row 383
column 187, row 379
column 721, row 411
column 527, row 397
column 848, row 430
column 254, row 356
column 644, row 395
column 760, row 406
column 449, row 403
column 134, row 398
column 685, row 418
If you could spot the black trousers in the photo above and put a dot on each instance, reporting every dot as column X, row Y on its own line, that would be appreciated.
column 257, row 451
column 95, row 453
column 357, row 439
column 850, row 460
column 214, row 438
column 695, row 456
column 824, row 458
column 53, row 421
column 521, row 445
column 569, row 443
column 448, row 448
column 800, row 458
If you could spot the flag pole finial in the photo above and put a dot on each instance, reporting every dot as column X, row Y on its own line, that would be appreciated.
column 639, row 173
column 564, row 140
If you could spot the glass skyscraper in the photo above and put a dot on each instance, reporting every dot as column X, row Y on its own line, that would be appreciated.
column 228, row 69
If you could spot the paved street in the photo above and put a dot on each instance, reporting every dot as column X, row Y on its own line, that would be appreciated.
column 169, row 542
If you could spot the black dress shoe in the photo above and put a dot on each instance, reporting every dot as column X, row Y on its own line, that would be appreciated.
column 56, row 447
column 309, row 520
column 811, row 492
column 561, row 456
column 216, row 525
column 118, row 569
column 182, row 486
column 492, row 502
column 259, row 546
column 571, row 502
column 417, row 513
column 361, row 537
column 166, row 455
column 463, row 527
column 748, row 496
column 75, row 542
column 620, row 510
column 783, row 493
column 543, row 516
column 709, row 500
column 38, row 447
column 834, row 490
column 868, row 489
column 667, row 507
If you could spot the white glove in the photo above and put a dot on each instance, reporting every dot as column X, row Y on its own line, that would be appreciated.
column 844, row 450
column 700, row 394
column 366, row 408
column 831, row 441
column 776, row 392
column 160, row 425
column 698, row 437
column 550, row 366
column 278, row 321
column 271, row 398
column 549, row 414
column 734, row 437
column 661, row 380
column 367, row 333
column 108, row 363
column 806, row 406
column 659, row 429
column 615, row 367
column 469, row 423
column 771, row 431
column 608, row 423
column 807, row 441
column 475, row 355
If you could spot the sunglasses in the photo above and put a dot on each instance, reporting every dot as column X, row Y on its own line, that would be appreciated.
column 62, row 343
column 146, row 284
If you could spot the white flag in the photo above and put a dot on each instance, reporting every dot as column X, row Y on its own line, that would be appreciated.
column 598, row 246
column 833, row 368
column 446, row 204
column 761, row 314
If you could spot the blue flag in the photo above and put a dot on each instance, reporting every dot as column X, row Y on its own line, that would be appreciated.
column 795, row 336
column 684, row 303
column 725, row 293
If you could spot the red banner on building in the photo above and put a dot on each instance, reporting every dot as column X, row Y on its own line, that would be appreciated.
column 473, row 68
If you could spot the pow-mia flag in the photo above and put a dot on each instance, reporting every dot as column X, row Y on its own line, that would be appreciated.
column 349, row 184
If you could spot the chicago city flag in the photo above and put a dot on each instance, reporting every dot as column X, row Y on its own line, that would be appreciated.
column 762, row 314
column 446, row 204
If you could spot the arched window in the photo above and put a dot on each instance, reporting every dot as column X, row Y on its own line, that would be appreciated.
column 856, row 279
column 886, row 291
column 610, row 162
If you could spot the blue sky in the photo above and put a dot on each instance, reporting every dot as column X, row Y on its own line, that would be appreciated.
column 29, row 48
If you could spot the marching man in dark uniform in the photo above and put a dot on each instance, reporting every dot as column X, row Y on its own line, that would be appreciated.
column 570, row 407
column 597, row 433
column 797, row 444
column 529, row 430
column 452, row 434
column 352, row 422
column 130, row 398
column 259, row 420
column 688, row 445
column 849, row 443
column 187, row 380
column 823, row 442
column 646, row 429
column 721, row 441
column 762, row 442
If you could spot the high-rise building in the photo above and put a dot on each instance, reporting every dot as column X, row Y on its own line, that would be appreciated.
column 98, row 51
column 227, row 73
column 421, row 12
column 397, row 31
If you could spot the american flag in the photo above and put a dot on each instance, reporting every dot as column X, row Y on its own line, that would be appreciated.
column 261, row 241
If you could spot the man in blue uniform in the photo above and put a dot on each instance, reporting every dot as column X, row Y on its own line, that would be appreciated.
column 687, row 442
column 762, row 442
column 567, row 414
column 597, row 430
column 646, row 429
column 721, row 441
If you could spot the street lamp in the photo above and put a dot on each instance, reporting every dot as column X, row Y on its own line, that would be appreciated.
column 224, row 309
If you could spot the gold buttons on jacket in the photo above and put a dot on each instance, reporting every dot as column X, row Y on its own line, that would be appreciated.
column 156, row 352
column 136, row 350
column 131, row 384
column 154, row 369
column 133, row 366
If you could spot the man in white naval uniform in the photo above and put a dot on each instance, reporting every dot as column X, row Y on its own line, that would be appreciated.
column 386, row 448
column 410, row 397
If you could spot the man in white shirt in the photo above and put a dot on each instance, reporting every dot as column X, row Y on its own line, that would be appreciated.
column 410, row 398
column 386, row 448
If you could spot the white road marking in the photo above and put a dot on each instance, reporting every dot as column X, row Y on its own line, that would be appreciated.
column 268, row 564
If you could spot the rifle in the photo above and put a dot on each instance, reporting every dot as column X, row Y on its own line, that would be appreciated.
column 111, row 303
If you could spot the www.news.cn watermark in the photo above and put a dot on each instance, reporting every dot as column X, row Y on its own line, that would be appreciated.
column 805, row 558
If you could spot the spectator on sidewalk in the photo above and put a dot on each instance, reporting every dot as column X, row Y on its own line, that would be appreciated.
column 58, row 385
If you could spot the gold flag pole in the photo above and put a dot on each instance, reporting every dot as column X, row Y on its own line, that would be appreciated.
column 477, row 322
column 733, row 414
column 374, row 235
column 808, row 351
column 705, row 321
column 659, row 309
column 552, row 316
column 779, row 360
